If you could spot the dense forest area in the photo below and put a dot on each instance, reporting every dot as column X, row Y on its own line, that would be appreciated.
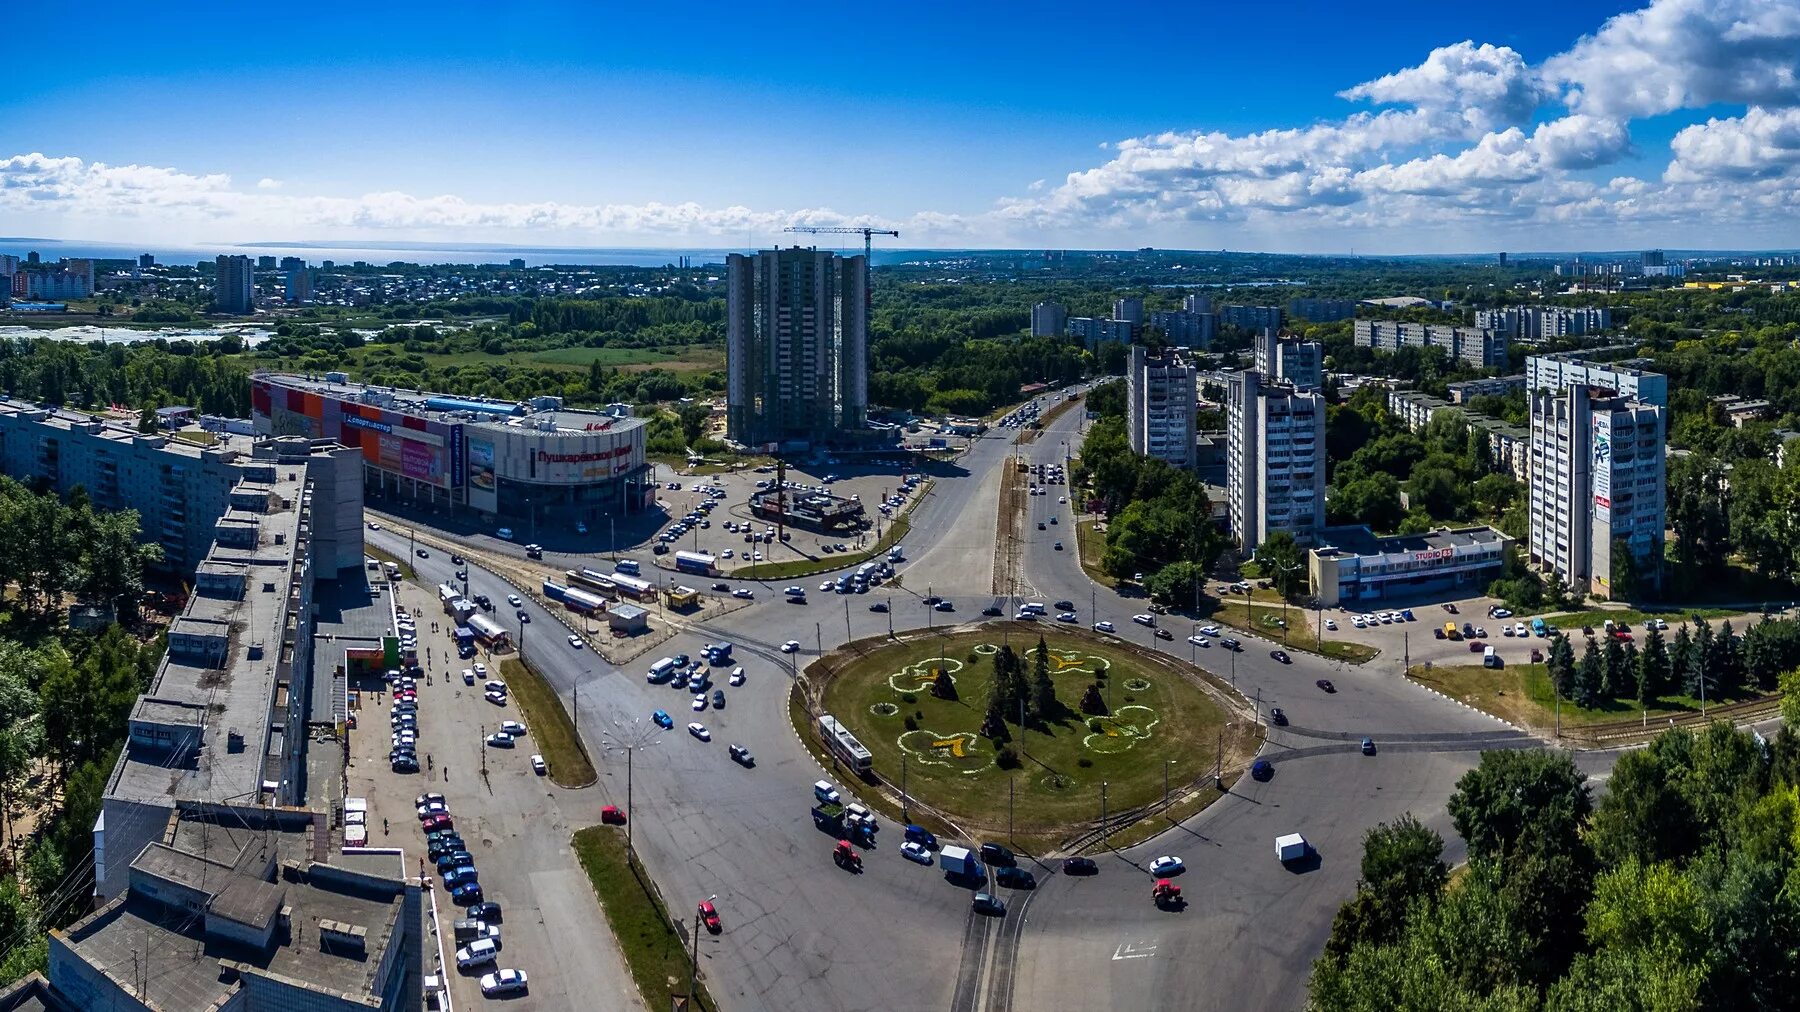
column 1678, row 890
column 64, row 699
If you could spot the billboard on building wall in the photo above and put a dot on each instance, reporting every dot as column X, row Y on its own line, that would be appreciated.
column 459, row 472
column 482, row 486
column 1600, row 469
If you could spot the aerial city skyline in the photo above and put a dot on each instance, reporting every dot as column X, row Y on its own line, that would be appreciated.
column 1543, row 125
column 1202, row 507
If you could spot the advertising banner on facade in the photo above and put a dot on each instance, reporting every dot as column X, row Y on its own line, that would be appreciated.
column 458, row 470
column 415, row 460
column 1600, row 470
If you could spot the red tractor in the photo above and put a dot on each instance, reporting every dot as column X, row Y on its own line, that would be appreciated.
column 846, row 856
column 1165, row 894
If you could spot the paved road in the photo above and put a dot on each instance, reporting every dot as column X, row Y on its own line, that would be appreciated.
column 802, row 934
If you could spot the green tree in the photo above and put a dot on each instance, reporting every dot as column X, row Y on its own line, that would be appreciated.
column 1561, row 665
column 1282, row 562
column 1520, row 800
column 1176, row 583
column 1590, row 677
column 1653, row 665
column 1682, row 675
column 693, row 416
column 1043, row 691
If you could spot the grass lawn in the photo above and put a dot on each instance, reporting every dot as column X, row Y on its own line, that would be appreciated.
column 198, row 437
column 552, row 734
column 1522, row 694
column 1092, row 544
column 1265, row 615
column 654, row 950
column 1674, row 616
column 385, row 557
column 1158, row 718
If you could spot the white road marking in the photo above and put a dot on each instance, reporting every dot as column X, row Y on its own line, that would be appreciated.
column 1134, row 950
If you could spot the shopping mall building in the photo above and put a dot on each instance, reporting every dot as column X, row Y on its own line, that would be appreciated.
column 509, row 464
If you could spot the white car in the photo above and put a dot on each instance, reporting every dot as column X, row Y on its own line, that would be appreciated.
column 1144, row 619
column 756, row 557
column 1331, row 624
column 512, row 727
column 537, row 765
column 1520, row 630
column 498, row 740
column 1359, row 623
column 1167, row 865
column 1200, row 641
column 915, row 852
column 699, row 702
column 503, row 982
column 744, row 592
column 1502, row 613
column 514, row 600
column 737, row 675
column 827, row 587
column 1209, row 630
column 575, row 641
column 790, row 646
column 699, row 731
column 1103, row 627
column 480, row 669
column 726, row 554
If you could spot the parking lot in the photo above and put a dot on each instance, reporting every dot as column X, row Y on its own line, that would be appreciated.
column 509, row 818
column 1419, row 639
column 737, row 539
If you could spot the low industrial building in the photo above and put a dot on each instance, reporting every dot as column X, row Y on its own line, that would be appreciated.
column 816, row 511
column 1353, row 566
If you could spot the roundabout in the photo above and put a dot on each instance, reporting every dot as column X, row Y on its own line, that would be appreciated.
column 1100, row 717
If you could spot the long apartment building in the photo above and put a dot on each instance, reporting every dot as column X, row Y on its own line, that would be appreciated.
column 1274, row 459
column 1509, row 444
column 1555, row 372
column 179, row 489
column 1160, row 392
column 1322, row 310
column 1537, row 323
column 1184, row 329
column 1598, row 473
column 1483, row 349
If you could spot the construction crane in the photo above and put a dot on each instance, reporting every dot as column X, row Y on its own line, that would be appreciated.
column 864, row 230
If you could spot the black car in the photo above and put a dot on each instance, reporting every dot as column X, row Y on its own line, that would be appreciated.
column 1325, row 683
column 1281, row 655
column 487, row 910
column 456, row 560
column 996, row 855
column 1080, row 866
column 879, row 606
column 423, row 554
column 1276, row 717
column 991, row 611
column 1065, row 606
column 1231, row 644
column 1015, row 878
column 933, row 599
column 1262, row 769
column 1438, row 632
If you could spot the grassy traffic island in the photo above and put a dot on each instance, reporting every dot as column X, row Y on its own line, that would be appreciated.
column 1120, row 717
column 655, row 951
column 553, row 733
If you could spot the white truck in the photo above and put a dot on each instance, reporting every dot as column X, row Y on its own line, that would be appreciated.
column 1291, row 847
column 959, row 862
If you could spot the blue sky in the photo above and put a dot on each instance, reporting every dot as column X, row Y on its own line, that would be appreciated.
column 959, row 124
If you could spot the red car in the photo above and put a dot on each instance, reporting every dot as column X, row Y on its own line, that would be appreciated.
column 612, row 815
column 710, row 916
column 437, row 822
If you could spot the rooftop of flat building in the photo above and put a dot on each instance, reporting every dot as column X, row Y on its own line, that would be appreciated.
column 166, row 959
column 473, row 411
column 114, row 429
column 1360, row 540
column 233, row 695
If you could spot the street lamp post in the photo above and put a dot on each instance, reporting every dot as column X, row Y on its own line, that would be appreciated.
column 628, row 738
